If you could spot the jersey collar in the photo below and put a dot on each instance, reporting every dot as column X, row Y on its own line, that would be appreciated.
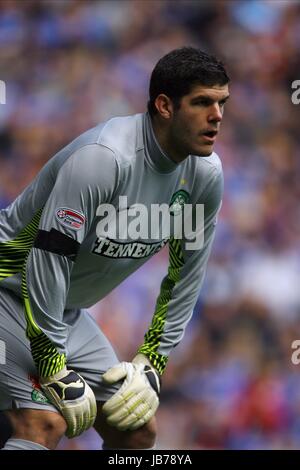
column 154, row 153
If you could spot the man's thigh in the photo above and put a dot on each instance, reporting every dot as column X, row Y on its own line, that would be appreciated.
column 91, row 354
column 88, row 351
column 19, row 387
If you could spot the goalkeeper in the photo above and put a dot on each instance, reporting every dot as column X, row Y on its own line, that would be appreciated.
column 61, row 374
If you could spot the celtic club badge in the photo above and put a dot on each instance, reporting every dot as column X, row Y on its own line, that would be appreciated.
column 178, row 200
column 37, row 394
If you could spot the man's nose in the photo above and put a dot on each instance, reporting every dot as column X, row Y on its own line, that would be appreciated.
column 215, row 113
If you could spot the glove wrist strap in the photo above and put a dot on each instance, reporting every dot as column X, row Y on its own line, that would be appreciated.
column 59, row 375
column 142, row 359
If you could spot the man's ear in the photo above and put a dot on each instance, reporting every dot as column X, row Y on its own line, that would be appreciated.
column 164, row 106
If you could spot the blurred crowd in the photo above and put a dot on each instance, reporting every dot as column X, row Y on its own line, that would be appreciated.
column 71, row 64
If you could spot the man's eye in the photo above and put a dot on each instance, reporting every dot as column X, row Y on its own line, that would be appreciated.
column 201, row 103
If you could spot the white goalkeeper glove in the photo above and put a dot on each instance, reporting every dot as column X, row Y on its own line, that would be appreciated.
column 73, row 397
column 136, row 401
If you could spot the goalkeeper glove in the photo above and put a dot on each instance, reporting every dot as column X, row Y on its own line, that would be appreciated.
column 73, row 397
column 136, row 401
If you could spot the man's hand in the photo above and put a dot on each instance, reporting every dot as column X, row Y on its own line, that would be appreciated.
column 73, row 397
column 136, row 401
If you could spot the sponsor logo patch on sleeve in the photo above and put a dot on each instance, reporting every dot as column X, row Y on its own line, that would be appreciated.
column 70, row 218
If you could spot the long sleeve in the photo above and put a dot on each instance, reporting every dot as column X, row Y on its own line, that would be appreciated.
column 86, row 178
column 180, row 288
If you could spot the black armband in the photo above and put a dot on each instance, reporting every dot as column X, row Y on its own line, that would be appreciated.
column 57, row 242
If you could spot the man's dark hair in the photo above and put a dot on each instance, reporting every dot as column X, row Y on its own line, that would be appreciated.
column 178, row 71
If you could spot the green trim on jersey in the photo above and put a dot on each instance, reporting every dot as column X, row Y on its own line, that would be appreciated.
column 46, row 357
column 13, row 257
column 13, row 253
column 153, row 336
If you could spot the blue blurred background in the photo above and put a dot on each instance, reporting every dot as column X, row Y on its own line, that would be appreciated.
column 71, row 64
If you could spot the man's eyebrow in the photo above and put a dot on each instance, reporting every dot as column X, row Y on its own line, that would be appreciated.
column 208, row 99
column 225, row 98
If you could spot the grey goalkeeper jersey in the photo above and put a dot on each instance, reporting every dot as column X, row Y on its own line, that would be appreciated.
column 58, row 255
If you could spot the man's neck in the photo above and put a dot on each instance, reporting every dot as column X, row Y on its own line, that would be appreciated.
column 153, row 150
column 163, row 140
